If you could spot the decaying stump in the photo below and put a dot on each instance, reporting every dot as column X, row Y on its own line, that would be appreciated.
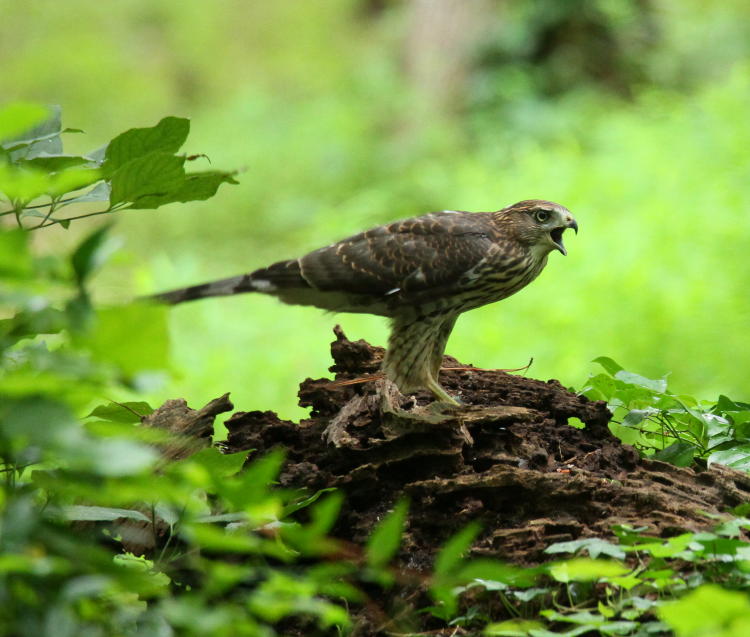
column 508, row 459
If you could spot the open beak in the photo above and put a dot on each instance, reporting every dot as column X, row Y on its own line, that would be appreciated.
column 557, row 234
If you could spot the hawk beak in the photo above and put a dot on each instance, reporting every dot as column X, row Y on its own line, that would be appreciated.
column 557, row 233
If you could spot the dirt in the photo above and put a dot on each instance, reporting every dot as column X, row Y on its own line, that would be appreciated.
column 508, row 459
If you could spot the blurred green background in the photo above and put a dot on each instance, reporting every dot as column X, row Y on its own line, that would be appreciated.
column 345, row 114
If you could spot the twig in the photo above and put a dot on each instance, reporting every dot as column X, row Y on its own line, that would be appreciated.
column 68, row 219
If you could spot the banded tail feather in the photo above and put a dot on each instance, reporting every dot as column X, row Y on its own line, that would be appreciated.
column 276, row 280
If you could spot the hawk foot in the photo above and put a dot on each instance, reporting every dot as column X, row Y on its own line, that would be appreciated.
column 399, row 414
column 443, row 396
column 392, row 402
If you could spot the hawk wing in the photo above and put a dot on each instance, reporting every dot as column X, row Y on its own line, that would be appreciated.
column 407, row 260
column 404, row 263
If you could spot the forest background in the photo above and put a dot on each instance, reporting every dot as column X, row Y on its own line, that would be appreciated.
column 346, row 114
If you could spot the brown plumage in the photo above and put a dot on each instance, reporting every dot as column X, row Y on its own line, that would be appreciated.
column 420, row 272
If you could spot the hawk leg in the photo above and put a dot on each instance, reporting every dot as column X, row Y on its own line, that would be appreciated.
column 436, row 360
column 415, row 352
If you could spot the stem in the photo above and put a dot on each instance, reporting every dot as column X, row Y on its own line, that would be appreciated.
column 52, row 222
column 52, row 206
column 42, row 205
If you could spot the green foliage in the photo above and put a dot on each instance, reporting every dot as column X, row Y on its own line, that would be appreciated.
column 137, row 169
column 708, row 611
column 75, row 484
column 694, row 584
column 671, row 427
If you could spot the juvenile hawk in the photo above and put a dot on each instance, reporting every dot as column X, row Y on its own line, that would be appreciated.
column 420, row 272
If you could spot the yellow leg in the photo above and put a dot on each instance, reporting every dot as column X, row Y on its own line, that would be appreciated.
column 441, row 394
column 415, row 353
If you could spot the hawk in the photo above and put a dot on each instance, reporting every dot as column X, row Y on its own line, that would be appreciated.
column 421, row 273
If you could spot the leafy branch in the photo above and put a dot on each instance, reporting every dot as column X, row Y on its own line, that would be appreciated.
column 138, row 169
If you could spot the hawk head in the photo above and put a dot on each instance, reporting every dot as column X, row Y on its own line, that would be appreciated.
column 539, row 224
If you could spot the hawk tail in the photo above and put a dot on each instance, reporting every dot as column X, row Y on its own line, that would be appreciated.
column 274, row 279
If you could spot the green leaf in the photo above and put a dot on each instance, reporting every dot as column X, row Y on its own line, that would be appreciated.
column 325, row 512
column 738, row 457
column 19, row 117
column 221, row 541
column 585, row 570
column 600, row 387
column 220, row 465
column 679, row 453
column 72, row 179
column 610, row 366
column 487, row 570
column 265, row 469
column 733, row 527
column 587, row 623
column 741, row 421
column 628, row 535
column 531, row 593
column 195, row 187
column 55, row 163
column 117, row 457
column 310, row 539
column 628, row 435
column 100, row 192
column 725, row 404
column 672, row 547
column 282, row 595
column 658, row 385
column 166, row 138
column 296, row 505
column 713, row 546
column 636, row 416
column 23, row 185
column 91, row 253
column 132, row 337
column 43, row 138
column 386, row 537
column 512, row 628
column 155, row 175
column 576, row 422
column 452, row 553
column 708, row 611
column 37, row 420
column 594, row 546
column 82, row 513
column 126, row 413
column 15, row 258
column 250, row 488
column 46, row 320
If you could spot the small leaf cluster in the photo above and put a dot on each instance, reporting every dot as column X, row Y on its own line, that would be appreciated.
column 138, row 169
column 663, row 587
column 671, row 427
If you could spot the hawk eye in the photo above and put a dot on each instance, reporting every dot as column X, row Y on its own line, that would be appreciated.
column 542, row 215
